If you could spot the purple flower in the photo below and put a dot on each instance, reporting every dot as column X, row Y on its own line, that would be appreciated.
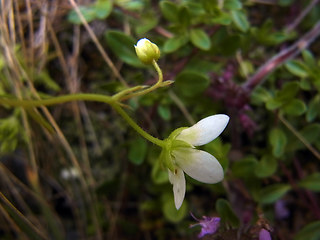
column 209, row 225
column 281, row 209
column 264, row 235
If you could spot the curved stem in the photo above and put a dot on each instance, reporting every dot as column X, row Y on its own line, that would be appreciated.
column 136, row 127
column 150, row 89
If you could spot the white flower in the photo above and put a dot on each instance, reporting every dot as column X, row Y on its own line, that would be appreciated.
column 147, row 51
column 198, row 164
column 69, row 173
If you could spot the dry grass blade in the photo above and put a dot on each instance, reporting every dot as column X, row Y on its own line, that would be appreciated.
column 97, row 43
column 21, row 220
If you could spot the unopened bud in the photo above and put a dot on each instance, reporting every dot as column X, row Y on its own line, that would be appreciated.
column 147, row 51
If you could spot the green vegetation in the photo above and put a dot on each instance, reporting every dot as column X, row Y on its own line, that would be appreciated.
column 87, row 130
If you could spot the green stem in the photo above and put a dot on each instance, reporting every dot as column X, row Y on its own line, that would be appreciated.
column 128, row 91
column 150, row 89
column 136, row 127
column 57, row 100
column 82, row 97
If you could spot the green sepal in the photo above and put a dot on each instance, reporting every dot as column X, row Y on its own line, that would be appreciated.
column 170, row 144
column 175, row 133
column 166, row 160
column 180, row 144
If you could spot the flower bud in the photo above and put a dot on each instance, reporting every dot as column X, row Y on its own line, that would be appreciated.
column 147, row 51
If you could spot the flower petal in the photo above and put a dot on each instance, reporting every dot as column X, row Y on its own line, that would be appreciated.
column 199, row 165
column 179, row 185
column 205, row 130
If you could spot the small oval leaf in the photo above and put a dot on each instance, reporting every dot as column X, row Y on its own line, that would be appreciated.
column 122, row 46
column 311, row 182
column 174, row 43
column 273, row 193
column 278, row 141
column 295, row 107
column 164, row 112
column 240, row 20
column 309, row 232
column 200, row 39
column 266, row 166
column 297, row 68
column 191, row 83
column 171, row 213
column 137, row 150
column 169, row 10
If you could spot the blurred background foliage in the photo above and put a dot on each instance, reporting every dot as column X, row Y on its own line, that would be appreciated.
column 77, row 171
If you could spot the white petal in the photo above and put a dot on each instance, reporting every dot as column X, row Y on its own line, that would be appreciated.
column 199, row 165
column 179, row 186
column 205, row 130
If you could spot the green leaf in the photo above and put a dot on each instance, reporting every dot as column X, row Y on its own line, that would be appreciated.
column 265, row 34
column 45, row 79
column 305, row 84
column 209, row 6
column 277, row 37
column 131, row 5
column 285, row 2
column 137, row 150
column 313, row 109
column 246, row 68
column 309, row 58
column 260, row 95
column 174, row 43
column 170, row 212
column 224, row 43
column 273, row 193
column 122, row 46
column 200, row 38
column 309, row 232
column 226, row 213
column 169, row 11
column 240, row 20
column 266, row 167
column 222, row 18
column 288, row 92
column 297, row 68
column 278, row 141
column 10, row 129
column 164, row 112
column 191, row 83
column 103, row 8
column 295, row 107
column 311, row 182
column 273, row 104
column 311, row 132
column 184, row 16
column 88, row 12
column 245, row 167
column 146, row 23
column 220, row 151
column 158, row 174
column 232, row 4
